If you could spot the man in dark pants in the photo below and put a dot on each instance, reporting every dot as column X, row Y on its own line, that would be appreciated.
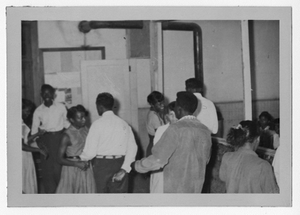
column 111, row 142
column 52, row 118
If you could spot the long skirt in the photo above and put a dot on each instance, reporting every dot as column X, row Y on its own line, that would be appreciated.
column 75, row 180
column 29, row 181
column 157, row 182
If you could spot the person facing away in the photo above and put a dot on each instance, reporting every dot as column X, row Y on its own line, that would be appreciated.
column 50, row 117
column 76, row 176
column 206, row 111
column 183, row 150
column 155, row 116
column 156, row 178
column 242, row 170
column 111, row 142
column 29, row 180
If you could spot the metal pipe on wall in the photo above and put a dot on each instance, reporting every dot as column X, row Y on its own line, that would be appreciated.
column 197, row 39
column 86, row 26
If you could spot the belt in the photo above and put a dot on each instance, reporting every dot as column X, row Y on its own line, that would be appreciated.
column 73, row 157
column 54, row 132
column 109, row 156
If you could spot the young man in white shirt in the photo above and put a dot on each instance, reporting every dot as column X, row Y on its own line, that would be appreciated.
column 50, row 117
column 111, row 142
column 206, row 111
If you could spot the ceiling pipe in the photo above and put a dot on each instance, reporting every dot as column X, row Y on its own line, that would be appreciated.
column 197, row 39
column 87, row 26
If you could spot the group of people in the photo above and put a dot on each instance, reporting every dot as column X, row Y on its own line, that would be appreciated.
column 68, row 147
column 77, row 159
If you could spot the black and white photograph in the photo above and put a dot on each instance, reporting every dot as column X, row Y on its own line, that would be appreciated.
column 149, row 106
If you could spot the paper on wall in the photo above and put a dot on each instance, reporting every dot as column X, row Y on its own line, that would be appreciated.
column 63, row 80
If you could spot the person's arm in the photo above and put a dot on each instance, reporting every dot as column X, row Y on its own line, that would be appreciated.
column 28, row 148
column 35, row 122
column 161, row 152
column 32, row 138
column 267, row 179
column 65, row 142
column 150, row 145
column 66, row 121
column 131, row 151
column 91, row 143
column 223, row 168
column 214, row 119
column 275, row 141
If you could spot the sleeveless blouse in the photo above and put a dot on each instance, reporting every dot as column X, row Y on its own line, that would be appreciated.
column 77, row 139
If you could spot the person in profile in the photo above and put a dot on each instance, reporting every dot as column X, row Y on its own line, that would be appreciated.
column 206, row 111
column 111, row 142
column 242, row 170
column 183, row 150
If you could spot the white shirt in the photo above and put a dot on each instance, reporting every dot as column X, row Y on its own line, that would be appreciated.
column 206, row 113
column 110, row 135
column 51, row 119
column 275, row 164
column 157, row 177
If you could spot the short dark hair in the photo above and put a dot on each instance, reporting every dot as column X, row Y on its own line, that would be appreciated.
column 28, row 104
column 267, row 115
column 106, row 100
column 193, row 83
column 171, row 106
column 73, row 110
column 187, row 101
column 246, row 131
column 155, row 97
column 47, row 87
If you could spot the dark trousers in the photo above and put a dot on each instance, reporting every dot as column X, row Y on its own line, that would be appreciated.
column 50, row 168
column 104, row 169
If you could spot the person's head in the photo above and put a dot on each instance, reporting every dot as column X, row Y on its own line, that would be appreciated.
column 27, row 108
column 277, row 126
column 77, row 116
column 156, row 101
column 265, row 119
column 186, row 104
column 104, row 102
column 193, row 85
column 245, row 133
column 171, row 117
column 47, row 94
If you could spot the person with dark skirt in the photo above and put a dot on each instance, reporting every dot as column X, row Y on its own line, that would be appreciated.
column 50, row 117
column 110, row 142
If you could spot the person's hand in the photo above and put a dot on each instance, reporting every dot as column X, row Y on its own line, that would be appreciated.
column 83, row 165
column 119, row 175
column 41, row 132
column 44, row 152
column 39, row 143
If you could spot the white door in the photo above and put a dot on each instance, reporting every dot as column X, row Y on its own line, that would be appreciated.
column 111, row 76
